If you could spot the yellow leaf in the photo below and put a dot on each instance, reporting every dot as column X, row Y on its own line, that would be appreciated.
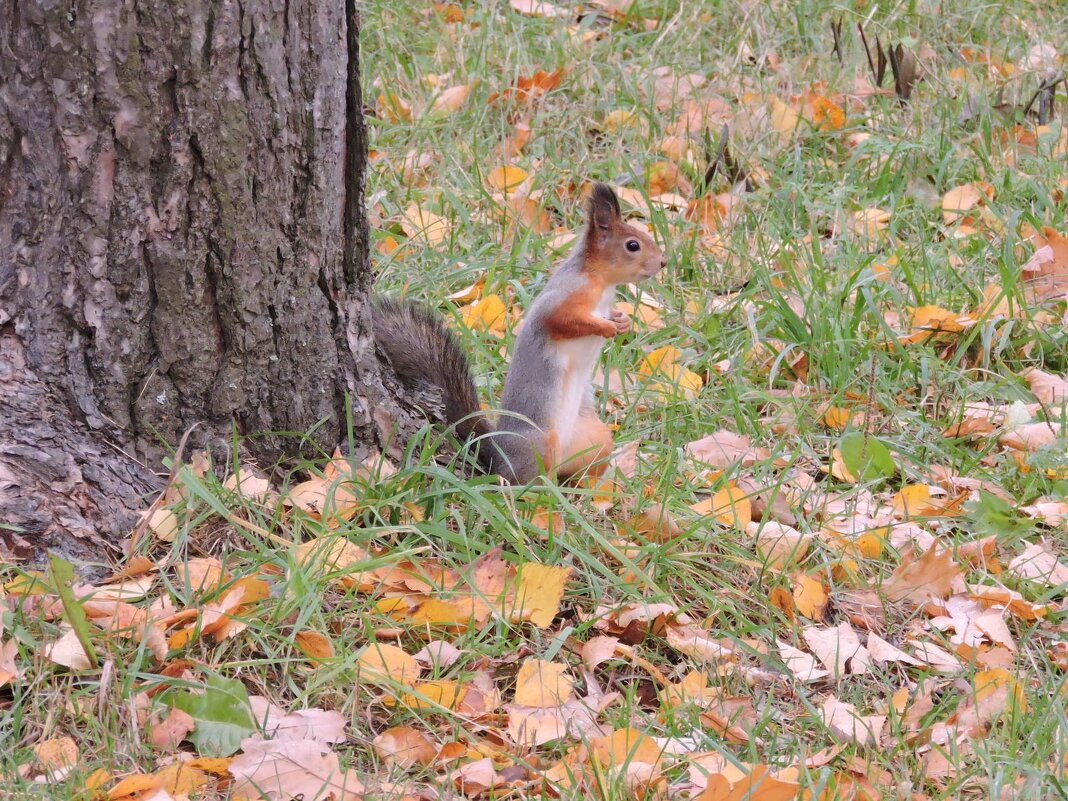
column 542, row 684
column 730, row 506
column 506, row 178
column 418, row 222
column 659, row 360
column 434, row 695
column 32, row 582
column 486, row 314
column 963, row 198
column 57, row 754
column 621, row 118
column 315, row 645
column 451, row 100
column 915, row 500
column 436, row 612
column 395, row 108
column 383, row 661
column 810, row 598
column 783, row 118
column 869, row 222
column 625, row 746
column 540, row 589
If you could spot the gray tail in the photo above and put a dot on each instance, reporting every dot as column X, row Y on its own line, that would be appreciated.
column 423, row 351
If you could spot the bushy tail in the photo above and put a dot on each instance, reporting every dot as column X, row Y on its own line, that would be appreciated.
column 423, row 351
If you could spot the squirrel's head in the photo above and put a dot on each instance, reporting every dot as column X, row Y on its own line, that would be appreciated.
column 618, row 252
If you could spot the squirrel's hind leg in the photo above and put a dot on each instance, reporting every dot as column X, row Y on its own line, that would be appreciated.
column 588, row 450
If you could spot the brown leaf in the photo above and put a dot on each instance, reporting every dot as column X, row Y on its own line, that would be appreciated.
column 167, row 734
column 917, row 581
column 326, row 726
column 597, row 650
column 1046, row 273
column 1051, row 390
column 542, row 684
column 287, row 769
column 315, row 645
column 838, row 648
column 723, row 449
column 404, row 747
column 842, row 719
column 1037, row 563
column 56, row 757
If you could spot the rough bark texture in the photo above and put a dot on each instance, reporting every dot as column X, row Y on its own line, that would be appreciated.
column 182, row 240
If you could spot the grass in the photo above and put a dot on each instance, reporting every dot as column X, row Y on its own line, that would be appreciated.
column 789, row 290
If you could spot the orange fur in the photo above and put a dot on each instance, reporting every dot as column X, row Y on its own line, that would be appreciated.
column 575, row 318
column 590, row 446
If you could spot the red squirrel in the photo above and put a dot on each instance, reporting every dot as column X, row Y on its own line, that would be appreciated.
column 549, row 421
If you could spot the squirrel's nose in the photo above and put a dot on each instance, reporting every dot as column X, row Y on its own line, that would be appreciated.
column 663, row 262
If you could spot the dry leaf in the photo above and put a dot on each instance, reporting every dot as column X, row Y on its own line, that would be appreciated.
column 802, row 665
column 597, row 650
column 542, row 684
column 404, row 747
column 723, row 449
column 918, row 580
column 380, row 661
column 315, row 645
column 451, row 100
column 838, row 648
column 843, row 720
column 287, row 769
column 538, row 8
column 1039, row 564
column 540, row 588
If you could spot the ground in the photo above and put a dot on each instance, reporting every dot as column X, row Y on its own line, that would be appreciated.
column 826, row 560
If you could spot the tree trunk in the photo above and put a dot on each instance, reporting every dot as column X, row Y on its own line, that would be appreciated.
column 182, row 241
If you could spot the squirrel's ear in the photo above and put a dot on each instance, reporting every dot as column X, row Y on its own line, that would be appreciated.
column 604, row 207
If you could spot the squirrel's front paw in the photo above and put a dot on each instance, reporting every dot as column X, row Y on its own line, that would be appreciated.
column 621, row 321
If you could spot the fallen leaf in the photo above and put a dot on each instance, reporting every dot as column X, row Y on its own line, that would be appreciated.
column 540, row 588
column 597, row 650
column 810, row 598
column 418, row 223
column 506, row 178
column 380, row 661
column 538, row 8
column 167, row 734
column 1037, row 563
column 68, row 651
column 802, row 665
column 486, row 314
column 1046, row 273
column 315, row 645
column 842, row 719
column 723, row 449
column 451, row 100
column 404, row 747
column 918, row 580
column 838, row 648
column 542, row 684
column 285, row 769
column 56, row 757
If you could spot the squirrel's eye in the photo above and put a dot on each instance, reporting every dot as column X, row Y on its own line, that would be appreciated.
column 633, row 245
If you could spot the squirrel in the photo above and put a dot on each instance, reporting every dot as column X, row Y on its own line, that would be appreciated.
column 549, row 420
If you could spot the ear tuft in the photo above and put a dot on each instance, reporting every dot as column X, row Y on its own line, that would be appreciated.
column 604, row 206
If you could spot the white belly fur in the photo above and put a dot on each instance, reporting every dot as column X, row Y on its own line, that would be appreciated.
column 578, row 358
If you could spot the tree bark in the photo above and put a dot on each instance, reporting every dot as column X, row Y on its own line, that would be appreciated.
column 182, row 241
